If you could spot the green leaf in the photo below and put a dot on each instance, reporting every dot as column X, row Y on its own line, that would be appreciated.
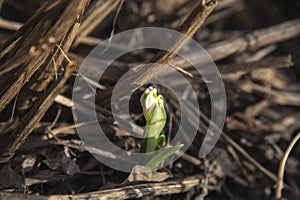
column 160, row 142
column 148, row 145
column 157, row 120
column 162, row 155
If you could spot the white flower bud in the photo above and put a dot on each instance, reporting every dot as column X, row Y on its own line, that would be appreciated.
column 154, row 112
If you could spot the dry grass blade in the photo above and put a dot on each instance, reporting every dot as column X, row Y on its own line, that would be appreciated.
column 34, row 54
column 41, row 79
column 31, row 47
column 21, row 133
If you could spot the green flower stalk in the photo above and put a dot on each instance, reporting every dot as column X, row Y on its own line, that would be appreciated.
column 156, row 117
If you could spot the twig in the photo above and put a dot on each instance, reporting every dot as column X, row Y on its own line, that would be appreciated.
column 233, row 71
column 191, row 159
column 112, row 33
column 277, row 97
column 140, row 190
column 90, row 41
column 257, row 55
column 272, row 62
column 9, row 25
column 282, row 166
column 17, row 196
column 239, row 149
column 126, row 192
column 250, row 41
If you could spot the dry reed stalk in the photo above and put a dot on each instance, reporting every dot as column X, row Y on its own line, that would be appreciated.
column 29, row 59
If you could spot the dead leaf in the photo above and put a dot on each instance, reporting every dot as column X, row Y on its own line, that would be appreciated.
column 60, row 161
column 142, row 173
column 10, row 179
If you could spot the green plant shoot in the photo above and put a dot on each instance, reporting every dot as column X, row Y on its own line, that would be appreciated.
column 156, row 117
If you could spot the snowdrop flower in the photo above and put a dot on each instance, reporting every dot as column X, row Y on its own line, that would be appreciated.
column 155, row 115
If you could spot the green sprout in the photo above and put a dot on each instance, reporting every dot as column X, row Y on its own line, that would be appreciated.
column 156, row 117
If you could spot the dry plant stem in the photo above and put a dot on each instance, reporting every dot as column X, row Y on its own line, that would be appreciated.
column 73, row 13
column 32, row 118
column 90, row 41
column 140, row 190
column 94, row 17
column 31, row 46
column 272, row 62
column 251, row 41
column 282, row 166
column 277, row 97
column 41, row 79
column 9, row 25
column 36, row 24
column 255, row 39
column 233, row 72
column 188, row 28
column 52, row 20
column 18, row 196
column 145, row 73
column 14, row 26
column 125, row 192
column 239, row 149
